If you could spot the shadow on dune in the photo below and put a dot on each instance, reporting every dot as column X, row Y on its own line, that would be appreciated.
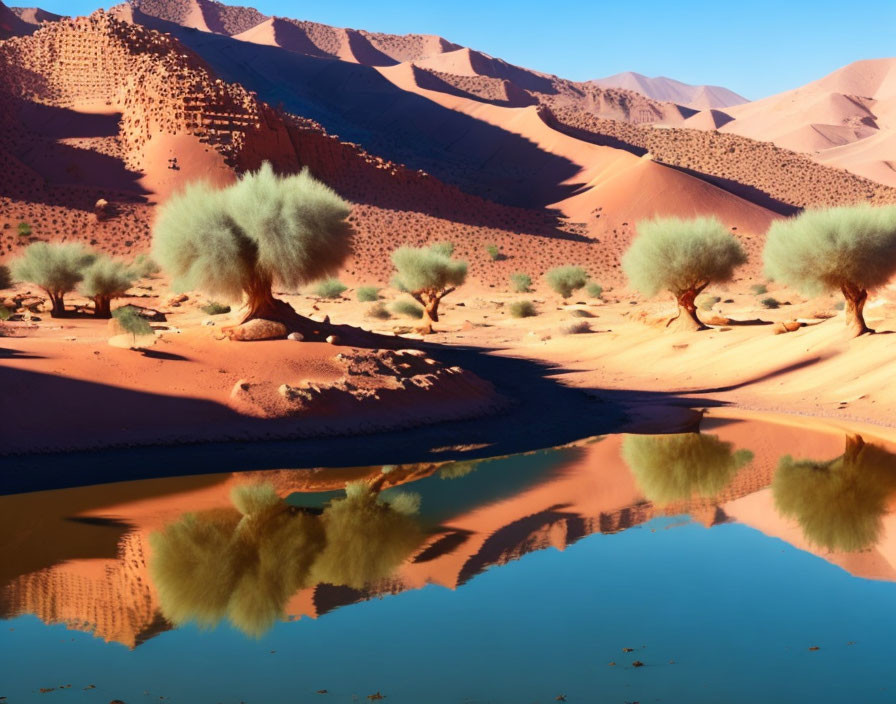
column 357, row 103
column 180, row 436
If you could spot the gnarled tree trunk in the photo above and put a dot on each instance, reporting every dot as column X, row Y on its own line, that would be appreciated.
column 102, row 307
column 855, row 306
column 57, row 303
column 261, row 304
column 687, row 307
column 430, row 301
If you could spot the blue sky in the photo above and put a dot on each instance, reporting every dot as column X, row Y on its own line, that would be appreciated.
column 754, row 48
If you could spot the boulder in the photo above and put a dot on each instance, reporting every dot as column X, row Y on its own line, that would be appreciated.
column 258, row 329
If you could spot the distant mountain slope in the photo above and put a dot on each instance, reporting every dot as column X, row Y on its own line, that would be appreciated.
column 35, row 16
column 206, row 15
column 844, row 119
column 668, row 89
column 11, row 25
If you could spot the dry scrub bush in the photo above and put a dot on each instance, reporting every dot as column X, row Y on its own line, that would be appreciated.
column 851, row 249
column 839, row 503
column 408, row 308
column 672, row 468
column 594, row 290
column 681, row 256
column 330, row 288
column 520, row 282
column 566, row 279
column 367, row 294
column 263, row 230
column 522, row 309
column 104, row 279
column 428, row 275
column 55, row 267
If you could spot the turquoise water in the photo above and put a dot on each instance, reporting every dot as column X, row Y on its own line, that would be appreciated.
column 715, row 614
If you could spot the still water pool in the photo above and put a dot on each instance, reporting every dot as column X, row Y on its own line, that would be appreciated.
column 754, row 561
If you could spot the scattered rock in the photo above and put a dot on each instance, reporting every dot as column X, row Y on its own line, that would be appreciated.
column 814, row 647
column 209, row 322
column 637, row 663
column 628, row 650
column 177, row 299
column 789, row 326
column 239, row 387
column 258, row 329
column 333, row 339
column 295, row 336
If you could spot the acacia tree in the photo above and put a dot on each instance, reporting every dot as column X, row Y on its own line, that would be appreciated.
column 55, row 267
column 428, row 274
column 5, row 278
column 265, row 229
column 838, row 503
column 103, row 280
column 850, row 248
column 683, row 257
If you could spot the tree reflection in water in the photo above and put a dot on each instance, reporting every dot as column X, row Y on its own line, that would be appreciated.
column 244, row 563
column 839, row 503
column 671, row 468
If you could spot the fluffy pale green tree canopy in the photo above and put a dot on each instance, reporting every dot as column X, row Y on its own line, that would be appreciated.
column 566, row 279
column 263, row 230
column 244, row 563
column 367, row 537
column 681, row 256
column 838, row 503
column 850, row 249
column 675, row 467
column 104, row 279
column 428, row 274
column 56, row 267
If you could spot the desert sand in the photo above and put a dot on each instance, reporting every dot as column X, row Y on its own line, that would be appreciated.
column 430, row 141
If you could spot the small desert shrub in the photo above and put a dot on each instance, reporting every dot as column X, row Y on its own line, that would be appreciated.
column 444, row 248
column 5, row 313
column 566, row 279
column 493, row 252
column 577, row 328
column 408, row 308
column 24, row 229
column 580, row 313
column 522, row 309
column 707, row 302
column 594, row 290
column 330, row 288
column 771, row 302
column 851, row 249
column 132, row 322
column 56, row 267
column 378, row 311
column 759, row 289
column 144, row 266
column 520, row 282
column 215, row 308
column 367, row 294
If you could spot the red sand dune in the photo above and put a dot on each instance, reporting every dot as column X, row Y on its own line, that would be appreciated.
column 844, row 119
